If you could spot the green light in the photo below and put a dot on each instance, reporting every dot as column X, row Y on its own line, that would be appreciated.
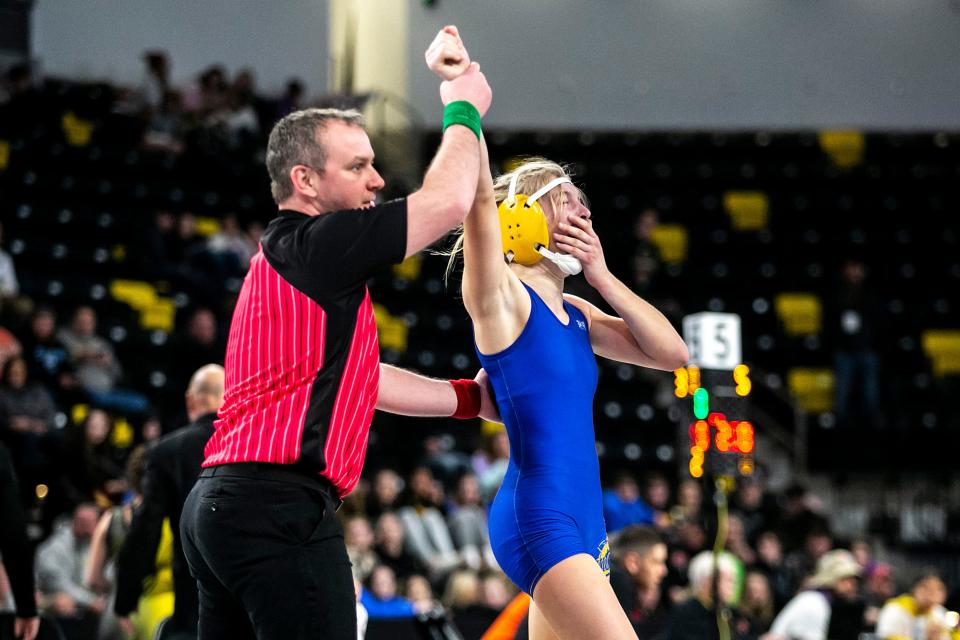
column 701, row 403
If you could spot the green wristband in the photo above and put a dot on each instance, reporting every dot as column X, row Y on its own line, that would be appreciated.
column 463, row 113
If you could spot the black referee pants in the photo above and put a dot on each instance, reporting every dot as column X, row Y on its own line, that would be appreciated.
column 268, row 555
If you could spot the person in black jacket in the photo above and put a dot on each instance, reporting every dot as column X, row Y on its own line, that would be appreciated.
column 16, row 552
column 173, row 465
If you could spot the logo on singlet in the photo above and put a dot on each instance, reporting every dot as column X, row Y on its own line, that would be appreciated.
column 603, row 557
column 582, row 324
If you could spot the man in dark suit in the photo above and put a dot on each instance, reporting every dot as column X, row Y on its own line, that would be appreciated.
column 173, row 466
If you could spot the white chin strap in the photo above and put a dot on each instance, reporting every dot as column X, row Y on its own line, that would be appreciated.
column 567, row 264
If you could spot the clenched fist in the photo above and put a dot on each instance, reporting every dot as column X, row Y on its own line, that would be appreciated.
column 446, row 56
column 470, row 86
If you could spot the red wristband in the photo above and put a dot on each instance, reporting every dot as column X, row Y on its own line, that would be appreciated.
column 468, row 398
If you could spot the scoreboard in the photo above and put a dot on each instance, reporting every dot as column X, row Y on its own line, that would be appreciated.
column 714, row 393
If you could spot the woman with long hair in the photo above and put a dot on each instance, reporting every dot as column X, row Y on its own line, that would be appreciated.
column 525, row 234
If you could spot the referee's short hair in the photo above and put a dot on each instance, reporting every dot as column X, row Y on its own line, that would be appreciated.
column 637, row 539
column 295, row 140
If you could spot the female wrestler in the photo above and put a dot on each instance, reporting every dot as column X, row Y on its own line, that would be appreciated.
column 537, row 346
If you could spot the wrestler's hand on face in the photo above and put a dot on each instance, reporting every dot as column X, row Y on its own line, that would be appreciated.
column 446, row 56
column 471, row 86
column 488, row 406
column 577, row 238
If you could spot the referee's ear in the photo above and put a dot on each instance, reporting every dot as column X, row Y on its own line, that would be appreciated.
column 305, row 180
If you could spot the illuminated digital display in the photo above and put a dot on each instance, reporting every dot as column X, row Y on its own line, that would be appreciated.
column 717, row 443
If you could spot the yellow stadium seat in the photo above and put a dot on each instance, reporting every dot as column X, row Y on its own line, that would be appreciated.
column 748, row 210
column 671, row 240
column 206, row 227
column 942, row 346
column 79, row 412
column 811, row 388
column 4, row 154
column 801, row 313
column 409, row 269
column 159, row 316
column 844, row 148
column 392, row 331
column 76, row 130
column 139, row 295
column 122, row 435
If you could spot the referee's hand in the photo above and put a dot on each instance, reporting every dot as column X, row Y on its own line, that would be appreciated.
column 446, row 56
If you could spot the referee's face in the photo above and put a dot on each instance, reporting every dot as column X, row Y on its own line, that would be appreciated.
column 349, row 180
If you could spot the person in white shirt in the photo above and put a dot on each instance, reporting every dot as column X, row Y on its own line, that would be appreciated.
column 807, row 615
column 918, row 615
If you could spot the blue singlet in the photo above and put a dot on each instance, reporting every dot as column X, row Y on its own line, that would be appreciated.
column 550, row 505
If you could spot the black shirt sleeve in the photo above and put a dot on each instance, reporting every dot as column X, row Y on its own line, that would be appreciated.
column 137, row 558
column 333, row 253
column 14, row 545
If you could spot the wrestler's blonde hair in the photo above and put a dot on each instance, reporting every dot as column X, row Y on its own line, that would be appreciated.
column 532, row 173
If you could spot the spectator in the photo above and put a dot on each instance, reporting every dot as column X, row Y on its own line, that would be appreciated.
column 292, row 98
column 380, row 598
column 802, row 562
column 100, row 572
column 696, row 617
column 797, row 517
column 498, row 455
column 391, row 547
column 16, row 552
column 656, row 493
column 426, row 530
column 770, row 562
column 418, row 591
column 198, row 346
column 98, row 370
column 358, row 536
column 646, row 254
column 808, row 614
column 156, row 82
column 387, row 486
column 91, row 472
column 918, row 615
column 757, row 604
column 165, row 128
column 689, row 502
column 47, row 357
column 60, row 564
column 638, row 567
column 231, row 247
column 749, row 506
column 9, row 285
column 462, row 600
column 468, row 524
column 622, row 505
column 737, row 542
column 854, row 320
column 878, row 588
column 26, row 417
column 444, row 461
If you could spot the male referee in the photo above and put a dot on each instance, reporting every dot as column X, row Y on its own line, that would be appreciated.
column 303, row 375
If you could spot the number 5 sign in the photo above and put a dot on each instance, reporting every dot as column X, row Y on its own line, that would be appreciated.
column 713, row 340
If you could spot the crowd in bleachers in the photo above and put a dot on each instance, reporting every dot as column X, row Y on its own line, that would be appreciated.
column 88, row 376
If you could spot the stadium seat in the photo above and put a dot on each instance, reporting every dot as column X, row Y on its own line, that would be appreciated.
column 812, row 389
column 747, row 209
column 671, row 240
column 801, row 313
column 943, row 349
column 844, row 148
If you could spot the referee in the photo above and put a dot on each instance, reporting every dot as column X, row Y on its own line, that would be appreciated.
column 303, row 375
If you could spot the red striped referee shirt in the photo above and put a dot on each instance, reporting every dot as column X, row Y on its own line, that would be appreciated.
column 303, row 362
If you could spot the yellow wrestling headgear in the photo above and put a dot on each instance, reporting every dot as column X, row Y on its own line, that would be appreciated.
column 523, row 224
